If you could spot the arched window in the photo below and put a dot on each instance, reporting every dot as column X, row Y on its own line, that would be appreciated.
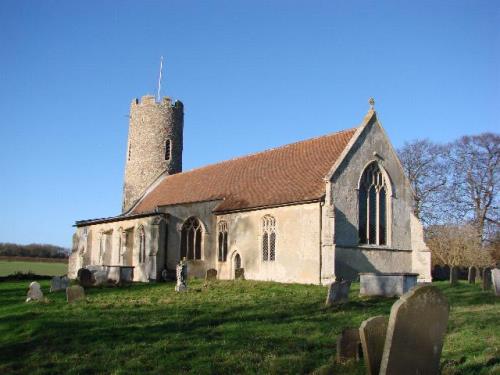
column 142, row 245
column 191, row 239
column 268, row 238
column 373, row 206
column 168, row 149
column 222, row 241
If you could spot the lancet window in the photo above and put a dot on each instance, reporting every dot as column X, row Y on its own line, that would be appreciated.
column 191, row 238
column 268, row 238
column 222, row 241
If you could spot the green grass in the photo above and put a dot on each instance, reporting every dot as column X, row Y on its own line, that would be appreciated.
column 227, row 328
column 39, row 268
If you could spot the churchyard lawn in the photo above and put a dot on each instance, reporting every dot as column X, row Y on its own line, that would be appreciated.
column 225, row 328
column 8, row 267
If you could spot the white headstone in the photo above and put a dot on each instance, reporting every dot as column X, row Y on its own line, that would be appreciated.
column 495, row 279
column 35, row 292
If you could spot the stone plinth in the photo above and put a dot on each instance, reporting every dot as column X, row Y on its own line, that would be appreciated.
column 386, row 284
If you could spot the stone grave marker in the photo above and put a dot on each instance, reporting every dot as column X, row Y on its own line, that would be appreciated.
column 348, row 345
column 181, row 273
column 59, row 283
column 211, row 274
column 454, row 275
column 495, row 279
column 486, row 283
column 471, row 278
column 75, row 293
column 239, row 274
column 35, row 292
column 338, row 292
column 372, row 334
column 84, row 277
column 415, row 333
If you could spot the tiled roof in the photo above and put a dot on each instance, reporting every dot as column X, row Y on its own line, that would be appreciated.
column 288, row 174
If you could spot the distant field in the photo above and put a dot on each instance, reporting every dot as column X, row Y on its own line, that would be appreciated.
column 39, row 268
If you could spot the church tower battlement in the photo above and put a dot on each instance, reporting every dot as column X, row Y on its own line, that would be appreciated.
column 154, row 144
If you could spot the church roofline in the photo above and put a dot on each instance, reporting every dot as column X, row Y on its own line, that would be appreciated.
column 82, row 223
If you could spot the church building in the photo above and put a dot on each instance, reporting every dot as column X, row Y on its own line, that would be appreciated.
column 307, row 212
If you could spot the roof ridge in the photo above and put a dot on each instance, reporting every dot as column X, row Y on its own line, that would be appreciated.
column 263, row 151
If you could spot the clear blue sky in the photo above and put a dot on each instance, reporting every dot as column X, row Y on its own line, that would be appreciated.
column 252, row 75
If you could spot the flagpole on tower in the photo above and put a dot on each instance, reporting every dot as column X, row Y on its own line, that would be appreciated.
column 159, row 79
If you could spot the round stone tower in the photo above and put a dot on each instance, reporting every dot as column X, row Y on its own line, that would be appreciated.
column 154, row 145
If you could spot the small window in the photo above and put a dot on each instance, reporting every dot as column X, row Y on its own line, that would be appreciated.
column 168, row 149
column 268, row 238
column 222, row 243
column 142, row 245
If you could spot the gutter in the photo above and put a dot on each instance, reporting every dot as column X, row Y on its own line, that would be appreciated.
column 82, row 223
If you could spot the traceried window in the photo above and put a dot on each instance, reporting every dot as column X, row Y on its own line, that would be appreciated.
column 268, row 238
column 168, row 149
column 222, row 241
column 373, row 207
column 142, row 245
column 191, row 237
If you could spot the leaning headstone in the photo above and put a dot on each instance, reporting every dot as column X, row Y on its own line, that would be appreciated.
column 495, row 279
column 471, row 278
column 239, row 273
column 415, row 332
column 35, row 292
column 75, row 293
column 338, row 292
column 348, row 345
column 181, row 273
column 211, row 274
column 84, row 277
column 486, row 283
column 454, row 275
column 372, row 335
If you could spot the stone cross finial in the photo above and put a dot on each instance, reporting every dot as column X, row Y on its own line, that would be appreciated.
column 371, row 101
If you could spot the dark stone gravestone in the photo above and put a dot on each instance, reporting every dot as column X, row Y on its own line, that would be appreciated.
column 372, row 333
column 486, row 283
column 338, row 292
column 211, row 274
column 454, row 275
column 239, row 274
column 75, row 293
column 349, row 345
column 495, row 279
column 84, row 277
column 471, row 278
column 415, row 333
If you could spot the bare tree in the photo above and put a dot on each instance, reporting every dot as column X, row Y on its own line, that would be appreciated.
column 425, row 164
column 474, row 161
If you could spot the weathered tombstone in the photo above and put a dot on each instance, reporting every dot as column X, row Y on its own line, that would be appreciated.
column 239, row 273
column 211, row 274
column 181, row 273
column 100, row 277
column 471, row 278
column 35, row 292
column 348, row 345
column 75, row 293
column 415, row 333
column 84, row 277
column 64, row 282
column 486, row 284
column 454, row 275
column 338, row 292
column 495, row 279
column 55, row 284
column 372, row 335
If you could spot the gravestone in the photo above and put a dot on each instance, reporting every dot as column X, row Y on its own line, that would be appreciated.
column 59, row 283
column 211, row 274
column 348, row 345
column 99, row 277
column 75, row 293
column 495, row 279
column 415, row 333
column 454, row 275
column 338, row 292
column 35, row 292
column 372, row 334
column 84, row 277
column 239, row 273
column 486, row 284
column 471, row 278
column 181, row 273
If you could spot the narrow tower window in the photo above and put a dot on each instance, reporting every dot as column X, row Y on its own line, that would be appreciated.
column 168, row 149
column 268, row 238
